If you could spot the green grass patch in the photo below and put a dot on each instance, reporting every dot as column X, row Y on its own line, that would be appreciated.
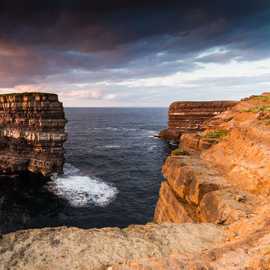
column 216, row 134
column 179, row 152
column 262, row 98
column 258, row 109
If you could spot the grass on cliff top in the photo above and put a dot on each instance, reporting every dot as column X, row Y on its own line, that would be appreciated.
column 179, row 152
column 258, row 109
column 216, row 134
column 262, row 98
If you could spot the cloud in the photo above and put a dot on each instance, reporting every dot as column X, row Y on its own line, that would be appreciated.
column 81, row 94
column 99, row 50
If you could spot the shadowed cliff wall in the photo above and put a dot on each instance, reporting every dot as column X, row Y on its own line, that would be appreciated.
column 32, row 133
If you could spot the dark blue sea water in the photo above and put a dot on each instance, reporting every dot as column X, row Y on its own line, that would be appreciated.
column 111, row 176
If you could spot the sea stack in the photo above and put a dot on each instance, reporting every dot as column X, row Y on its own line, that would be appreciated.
column 32, row 133
column 189, row 116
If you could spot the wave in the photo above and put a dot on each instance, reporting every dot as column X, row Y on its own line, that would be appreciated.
column 126, row 129
column 151, row 148
column 116, row 129
column 107, row 128
column 109, row 146
column 81, row 190
column 151, row 133
column 69, row 169
column 130, row 129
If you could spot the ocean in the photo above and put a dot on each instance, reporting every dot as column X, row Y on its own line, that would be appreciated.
column 112, row 174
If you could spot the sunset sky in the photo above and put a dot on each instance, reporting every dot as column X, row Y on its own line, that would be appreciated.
column 135, row 53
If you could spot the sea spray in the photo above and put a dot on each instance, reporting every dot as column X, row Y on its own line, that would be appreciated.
column 81, row 190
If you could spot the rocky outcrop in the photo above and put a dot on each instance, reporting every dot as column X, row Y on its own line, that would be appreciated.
column 223, row 170
column 98, row 249
column 189, row 116
column 246, row 247
column 221, row 176
column 31, row 133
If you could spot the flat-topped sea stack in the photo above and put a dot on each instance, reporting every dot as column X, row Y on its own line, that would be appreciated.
column 32, row 133
column 189, row 116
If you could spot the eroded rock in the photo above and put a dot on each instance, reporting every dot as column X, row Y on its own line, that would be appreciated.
column 96, row 249
column 189, row 116
column 32, row 133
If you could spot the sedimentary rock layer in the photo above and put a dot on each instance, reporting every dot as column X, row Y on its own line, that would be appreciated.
column 189, row 116
column 31, row 133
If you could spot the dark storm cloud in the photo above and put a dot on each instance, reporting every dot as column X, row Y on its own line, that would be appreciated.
column 125, row 39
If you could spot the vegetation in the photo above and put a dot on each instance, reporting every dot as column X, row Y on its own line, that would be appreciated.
column 179, row 152
column 262, row 98
column 258, row 109
column 216, row 134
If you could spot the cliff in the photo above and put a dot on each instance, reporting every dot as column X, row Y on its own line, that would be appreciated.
column 213, row 210
column 221, row 175
column 31, row 133
column 189, row 116
column 218, row 175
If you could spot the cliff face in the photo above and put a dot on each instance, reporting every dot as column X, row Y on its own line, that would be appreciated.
column 221, row 176
column 218, row 174
column 213, row 211
column 31, row 133
column 189, row 116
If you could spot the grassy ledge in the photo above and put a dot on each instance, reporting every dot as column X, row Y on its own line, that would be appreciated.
column 179, row 152
column 216, row 134
column 258, row 109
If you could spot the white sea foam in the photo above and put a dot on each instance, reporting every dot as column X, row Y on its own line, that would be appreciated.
column 116, row 129
column 107, row 128
column 151, row 148
column 151, row 133
column 130, row 129
column 81, row 190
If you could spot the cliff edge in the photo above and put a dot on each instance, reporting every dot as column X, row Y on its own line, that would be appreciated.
column 32, row 133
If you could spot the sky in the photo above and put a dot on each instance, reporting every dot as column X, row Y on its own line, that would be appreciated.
column 124, row 53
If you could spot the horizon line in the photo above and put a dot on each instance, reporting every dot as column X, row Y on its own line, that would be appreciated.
column 116, row 107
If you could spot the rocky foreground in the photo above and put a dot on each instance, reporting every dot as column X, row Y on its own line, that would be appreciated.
column 213, row 210
column 32, row 133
